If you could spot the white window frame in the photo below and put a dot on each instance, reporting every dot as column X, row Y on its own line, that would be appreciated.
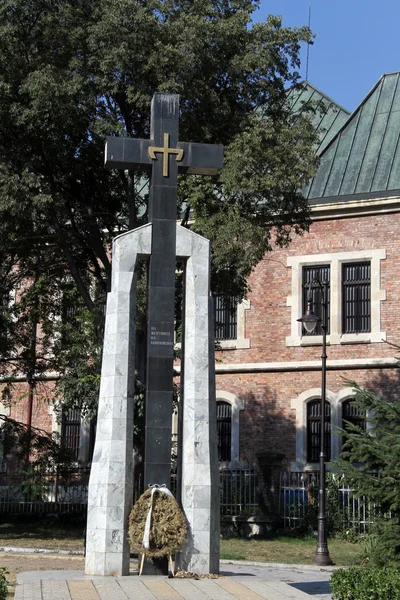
column 4, row 410
column 237, row 404
column 299, row 404
column 240, row 342
column 84, row 439
column 335, row 261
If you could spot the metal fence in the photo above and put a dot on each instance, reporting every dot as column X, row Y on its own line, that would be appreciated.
column 38, row 492
column 296, row 496
column 239, row 492
column 34, row 491
column 299, row 499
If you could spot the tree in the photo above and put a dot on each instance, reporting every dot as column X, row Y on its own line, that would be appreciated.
column 370, row 463
column 74, row 71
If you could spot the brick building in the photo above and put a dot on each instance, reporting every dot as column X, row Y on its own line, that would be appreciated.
column 268, row 370
column 269, row 373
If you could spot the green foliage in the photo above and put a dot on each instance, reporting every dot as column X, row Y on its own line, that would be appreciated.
column 74, row 71
column 32, row 485
column 3, row 583
column 369, row 462
column 78, row 352
column 365, row 584
column 44, row 450
column 334, row 510
column 381, row 547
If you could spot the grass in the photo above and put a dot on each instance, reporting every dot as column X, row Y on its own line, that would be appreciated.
column 289, row 550
column 282, row 549
column 42, row 535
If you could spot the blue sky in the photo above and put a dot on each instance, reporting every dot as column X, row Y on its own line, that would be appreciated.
column 357, row 41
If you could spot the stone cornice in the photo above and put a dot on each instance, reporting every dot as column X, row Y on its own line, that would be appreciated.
column 306, row 365
column 355, row 205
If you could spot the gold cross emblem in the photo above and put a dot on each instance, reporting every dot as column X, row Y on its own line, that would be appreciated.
column 166, row 150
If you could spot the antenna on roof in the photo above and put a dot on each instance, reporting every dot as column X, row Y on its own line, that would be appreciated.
column 308, row 45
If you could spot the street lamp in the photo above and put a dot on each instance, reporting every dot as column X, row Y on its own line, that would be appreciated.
column 310, row 321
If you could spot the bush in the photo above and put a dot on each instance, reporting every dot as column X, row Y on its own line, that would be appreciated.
column 3, row 584
column 369, row 463
column 370, row 583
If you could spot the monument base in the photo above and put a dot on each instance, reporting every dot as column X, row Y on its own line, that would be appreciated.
column 154, row 566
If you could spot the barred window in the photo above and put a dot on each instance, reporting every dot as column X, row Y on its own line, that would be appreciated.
column 72, row 314
column 225, row 317
column 224, row 429
column 71, row 431
column 352, row 414
column 314, row 430
column 356, row 295
column 4, row 306
column 311, row 276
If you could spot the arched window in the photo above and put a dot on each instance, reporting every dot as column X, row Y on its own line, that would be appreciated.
column 352, row 414
column 71, row 431
column 225, row 317
column 314, row 430
column 224, row 428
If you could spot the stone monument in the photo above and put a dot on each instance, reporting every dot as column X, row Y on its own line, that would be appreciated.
column 162, row 241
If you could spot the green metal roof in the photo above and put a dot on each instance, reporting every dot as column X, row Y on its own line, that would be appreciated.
column 329, row 117
column 364, row 156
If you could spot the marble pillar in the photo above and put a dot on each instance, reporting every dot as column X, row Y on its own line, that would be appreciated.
column 111, row 479
column 200, row 475
column 111, row 476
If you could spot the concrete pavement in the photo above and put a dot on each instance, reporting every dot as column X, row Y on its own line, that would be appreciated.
column 238, row 581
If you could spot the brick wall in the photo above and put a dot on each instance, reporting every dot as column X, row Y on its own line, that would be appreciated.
column 43, row 396
column 268, row 421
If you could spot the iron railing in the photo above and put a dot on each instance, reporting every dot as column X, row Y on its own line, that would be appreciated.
column 239, row 492
column 52, row 491
column 299, row 497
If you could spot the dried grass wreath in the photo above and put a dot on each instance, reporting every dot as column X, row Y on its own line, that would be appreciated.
column 167, row 526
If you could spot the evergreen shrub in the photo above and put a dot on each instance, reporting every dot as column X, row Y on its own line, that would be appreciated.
column 3, row 584
column 369, row 583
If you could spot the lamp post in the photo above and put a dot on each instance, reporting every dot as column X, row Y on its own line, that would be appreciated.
column 310, row 321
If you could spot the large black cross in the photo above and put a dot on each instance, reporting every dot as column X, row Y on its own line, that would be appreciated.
column 167, row 157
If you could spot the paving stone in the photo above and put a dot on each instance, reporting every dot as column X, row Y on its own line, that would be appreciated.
column 109, row 588
column 31, row 590
column 52, row 589
column 187, row 589
column 290, row 592
column 212, row 590
column 238, row 590
column 243, row 581
column 135, row 589
column 265, row 590
column 80, row 590
column 162, row 590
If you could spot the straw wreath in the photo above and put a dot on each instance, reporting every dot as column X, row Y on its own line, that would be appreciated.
column 167, row 529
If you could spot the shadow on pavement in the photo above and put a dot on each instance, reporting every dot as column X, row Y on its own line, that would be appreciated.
column 313, row 588
column 233, row 574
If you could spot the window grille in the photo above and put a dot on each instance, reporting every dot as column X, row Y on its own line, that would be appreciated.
column 225, row 317
column 356, row 294
column 314, row 430
column 224, row 429
column 311, row 276
column 92, row 438
column 71, row 432
column 352, row 414
column 72, row 315
column 4, row 306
